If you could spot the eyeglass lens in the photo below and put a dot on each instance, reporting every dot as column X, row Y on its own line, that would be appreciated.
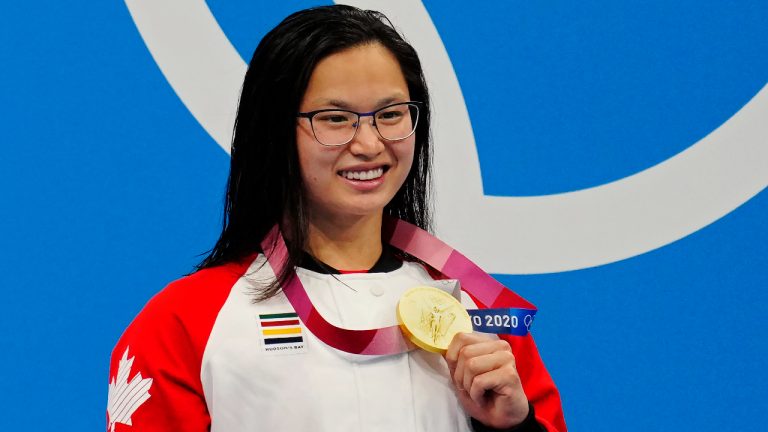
column 339, row 127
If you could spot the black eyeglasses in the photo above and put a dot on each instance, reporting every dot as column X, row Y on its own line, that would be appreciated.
column 336, row 127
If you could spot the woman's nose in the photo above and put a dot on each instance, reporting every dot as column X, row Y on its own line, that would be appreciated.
column 367, row 141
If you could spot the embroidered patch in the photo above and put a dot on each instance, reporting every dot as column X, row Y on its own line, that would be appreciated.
column 282, row 333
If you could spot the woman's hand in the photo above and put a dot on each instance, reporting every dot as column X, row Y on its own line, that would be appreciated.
column 485, row 377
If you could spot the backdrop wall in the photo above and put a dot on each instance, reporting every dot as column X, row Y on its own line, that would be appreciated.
column 605, row 160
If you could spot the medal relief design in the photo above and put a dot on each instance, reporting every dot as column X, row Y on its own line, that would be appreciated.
column 126, row 397
column 436, row 317
column 430, row 317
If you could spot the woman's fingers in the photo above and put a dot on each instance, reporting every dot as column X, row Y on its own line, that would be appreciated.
column 495, row 372
column 484, row 371
column 469, row 355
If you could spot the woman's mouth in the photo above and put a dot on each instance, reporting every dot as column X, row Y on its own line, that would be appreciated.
column 363, row 175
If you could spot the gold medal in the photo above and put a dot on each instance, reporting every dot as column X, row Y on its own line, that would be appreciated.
column 430, row 318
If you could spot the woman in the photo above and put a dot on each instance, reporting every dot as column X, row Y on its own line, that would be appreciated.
column 331, row 140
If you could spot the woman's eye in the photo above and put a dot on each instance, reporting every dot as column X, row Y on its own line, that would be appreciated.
column 390, row 115
column 333, row 118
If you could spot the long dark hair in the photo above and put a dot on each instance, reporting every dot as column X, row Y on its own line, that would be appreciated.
column 265, row 184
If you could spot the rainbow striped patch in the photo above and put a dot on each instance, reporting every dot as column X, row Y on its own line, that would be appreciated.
column 282, row 333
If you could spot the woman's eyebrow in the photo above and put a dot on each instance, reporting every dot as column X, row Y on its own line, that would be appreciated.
column 346, row 106
column 337, row 103
column 387, row 100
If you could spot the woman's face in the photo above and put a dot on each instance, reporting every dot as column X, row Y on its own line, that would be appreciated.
column 361, row 79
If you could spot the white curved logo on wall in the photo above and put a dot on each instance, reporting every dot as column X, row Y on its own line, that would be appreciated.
column 510, row 235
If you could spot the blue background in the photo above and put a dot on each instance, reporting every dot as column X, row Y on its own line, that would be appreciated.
column 110, row 189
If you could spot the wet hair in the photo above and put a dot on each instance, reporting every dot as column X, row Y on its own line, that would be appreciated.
column 265, row 185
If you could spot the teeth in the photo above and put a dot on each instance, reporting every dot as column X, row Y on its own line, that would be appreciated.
column 363, row 175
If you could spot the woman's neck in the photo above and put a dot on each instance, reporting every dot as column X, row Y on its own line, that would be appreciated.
column 351, row 244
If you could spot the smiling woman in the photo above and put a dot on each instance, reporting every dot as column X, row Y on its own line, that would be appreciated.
column 325, row 224
column 350, row 184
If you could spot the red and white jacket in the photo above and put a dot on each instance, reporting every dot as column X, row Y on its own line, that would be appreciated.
column 203, row 356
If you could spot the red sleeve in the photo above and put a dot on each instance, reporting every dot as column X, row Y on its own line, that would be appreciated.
column 537, row 383
column 154, row 378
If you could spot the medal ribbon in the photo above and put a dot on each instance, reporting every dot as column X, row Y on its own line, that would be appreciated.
column 485, row 290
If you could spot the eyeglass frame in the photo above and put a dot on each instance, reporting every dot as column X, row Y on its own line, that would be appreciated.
column 310, row 114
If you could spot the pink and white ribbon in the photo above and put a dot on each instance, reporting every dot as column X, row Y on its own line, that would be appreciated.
column 486, row 290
